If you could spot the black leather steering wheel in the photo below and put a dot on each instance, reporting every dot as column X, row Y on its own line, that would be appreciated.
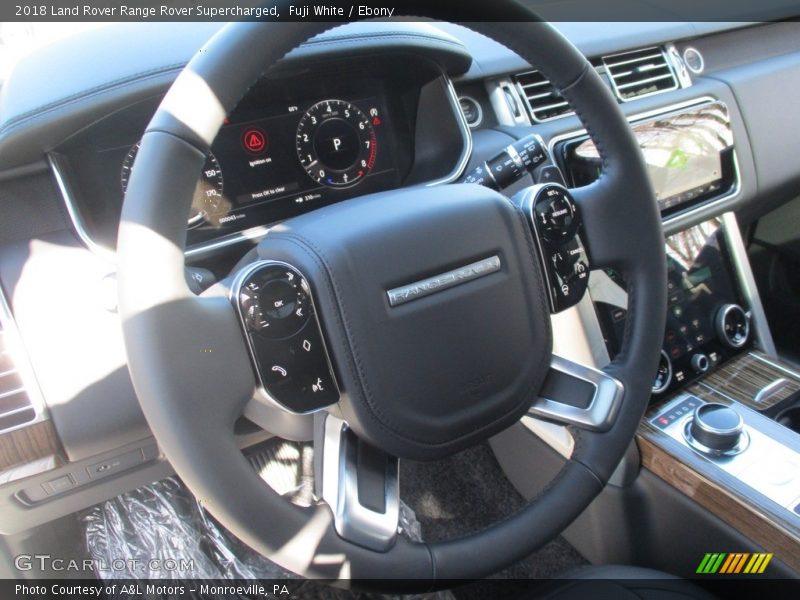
column 419, row 379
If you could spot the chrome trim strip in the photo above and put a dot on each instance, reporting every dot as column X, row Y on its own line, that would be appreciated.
column 770, row 390
column 716, row 391
column 438, row 283
column 352, row 520
column 259, row 231
column 602, row 410
column 254, row 233
column 776, row 365
column 744, row 273
column 12, row 393
column 677, row 220
column 9, row 372
column 262, row 395
column 18, row 410
column 466, row 135
column 74, row 215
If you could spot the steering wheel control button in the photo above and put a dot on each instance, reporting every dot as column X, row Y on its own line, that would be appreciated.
column 275, row 302
column 716, row 429
column 556, row 214
column 555, row 221
column 550, row 174
column 284, row 337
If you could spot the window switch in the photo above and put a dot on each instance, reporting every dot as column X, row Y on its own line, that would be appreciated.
column 59, row 485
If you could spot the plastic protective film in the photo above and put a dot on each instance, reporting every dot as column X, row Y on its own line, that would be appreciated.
column 160, row 531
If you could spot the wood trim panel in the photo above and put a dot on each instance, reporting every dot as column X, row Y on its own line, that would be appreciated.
column 743, row 377
column 28, row 444
column 767, row 530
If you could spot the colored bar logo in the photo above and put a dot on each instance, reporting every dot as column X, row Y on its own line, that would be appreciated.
column 734, row 563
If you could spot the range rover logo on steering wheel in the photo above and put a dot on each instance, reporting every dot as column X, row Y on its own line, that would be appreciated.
column 437, row 283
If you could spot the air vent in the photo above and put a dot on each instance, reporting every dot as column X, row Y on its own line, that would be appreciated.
column 15, row 404
column 640, row 73
column 543, row 100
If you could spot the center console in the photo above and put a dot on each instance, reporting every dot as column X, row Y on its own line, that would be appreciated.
column 723, row 423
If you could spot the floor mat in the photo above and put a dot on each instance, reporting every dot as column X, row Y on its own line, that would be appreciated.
column 468, row 492
column 461, row 494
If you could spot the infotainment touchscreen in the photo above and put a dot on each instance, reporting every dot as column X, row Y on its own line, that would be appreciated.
column 689, row 155
column 700, row 285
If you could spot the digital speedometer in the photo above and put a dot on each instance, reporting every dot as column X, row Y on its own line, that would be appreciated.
column 336, row 143
column 208, row 200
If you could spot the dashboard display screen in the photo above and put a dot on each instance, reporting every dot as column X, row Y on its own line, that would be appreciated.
column 292, row 145
column 688, row 155
column 301, row 155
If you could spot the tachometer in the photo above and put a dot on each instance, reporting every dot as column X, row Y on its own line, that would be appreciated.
column 336, row 143
column 208, row 199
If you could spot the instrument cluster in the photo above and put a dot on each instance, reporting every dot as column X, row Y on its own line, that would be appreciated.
column 302, row 138
column 287, row 159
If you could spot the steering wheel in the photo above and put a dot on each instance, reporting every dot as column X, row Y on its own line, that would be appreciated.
column 428, row 310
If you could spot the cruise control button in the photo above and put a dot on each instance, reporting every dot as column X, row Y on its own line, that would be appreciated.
column 555, row 214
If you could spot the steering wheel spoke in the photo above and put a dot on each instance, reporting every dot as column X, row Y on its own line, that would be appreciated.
column 575, row 394
column 360, row 483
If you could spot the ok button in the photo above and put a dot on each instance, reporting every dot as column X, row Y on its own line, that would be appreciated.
column 279, row 299
column 284, row 306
